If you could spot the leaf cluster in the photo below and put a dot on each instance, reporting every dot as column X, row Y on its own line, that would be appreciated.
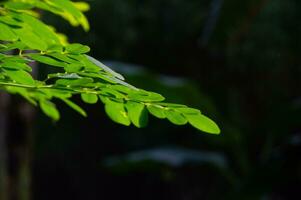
column 26, row 41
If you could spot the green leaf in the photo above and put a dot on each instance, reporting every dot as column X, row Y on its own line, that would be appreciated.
column 77, row 48
column 65, row 58
column 111, row 92
column 157, row 111
column 50, row 109
column 16, row 58
column 137, row 113
column 16, row 66
column 15, row 45
column 39, row 28
column 67, row 6
column 121, row 88
column 74, row 82
column 117, row 112
column 9, row 20
column 50, row 8
column 58, row 93
column 28, row 37
column 89, row 98
column 19, row 76
column 23, row 92
column 145, row 96
column 172, row 105
column 89, row 66
column 75, row 107
column 18, row 5
column 203, row 123
column 70, row 13
column 46, row 60
column 6, row 34
column 186, row 110
column 175, row 117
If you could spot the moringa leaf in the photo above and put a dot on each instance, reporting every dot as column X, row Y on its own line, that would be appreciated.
column 46, row 60
column 70, row 12
column 7, row 34
column 38, row 28
column 77, row 48
column 29, row 38
column 16, row 66
column 116, row 111
column 175, row 117
column 186, row 110
column 18, row 5
column 157, row 111
column 50, row 109
column 145, row 96
column 89, row 98
column 75, row 107
column 203, row 123
column 81, row 82
column 19, row 76
column 137, row 113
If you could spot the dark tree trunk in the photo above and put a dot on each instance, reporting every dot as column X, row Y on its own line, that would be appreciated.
column 16, row 129
column 19, row 149
column 4, row 99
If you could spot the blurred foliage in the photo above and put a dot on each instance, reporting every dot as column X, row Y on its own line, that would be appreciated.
column 248, row 75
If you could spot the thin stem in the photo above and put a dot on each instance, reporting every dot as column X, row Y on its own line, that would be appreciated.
column 49, row 87
column 26, row 86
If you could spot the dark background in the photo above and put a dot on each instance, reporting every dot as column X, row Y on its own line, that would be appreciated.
column 238, row 61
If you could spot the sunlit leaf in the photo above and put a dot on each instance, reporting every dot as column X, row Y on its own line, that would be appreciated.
column 50, row 109
column 203, row 123
column 19, row 76
column 75, row 107
column 47, row 60
column 6, row 33
column 29, row 38
column 89, row 98
column 77, row 48
column 116, row 111
column 157, row 111
column 137, row 113
column 18, row 5
column 175, row 117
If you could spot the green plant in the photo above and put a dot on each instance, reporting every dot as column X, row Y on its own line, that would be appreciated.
column 25, row 40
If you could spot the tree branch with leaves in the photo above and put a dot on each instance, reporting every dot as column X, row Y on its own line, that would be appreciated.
column 77, row 73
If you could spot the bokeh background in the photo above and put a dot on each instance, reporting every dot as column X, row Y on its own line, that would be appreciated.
column 238, row 61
